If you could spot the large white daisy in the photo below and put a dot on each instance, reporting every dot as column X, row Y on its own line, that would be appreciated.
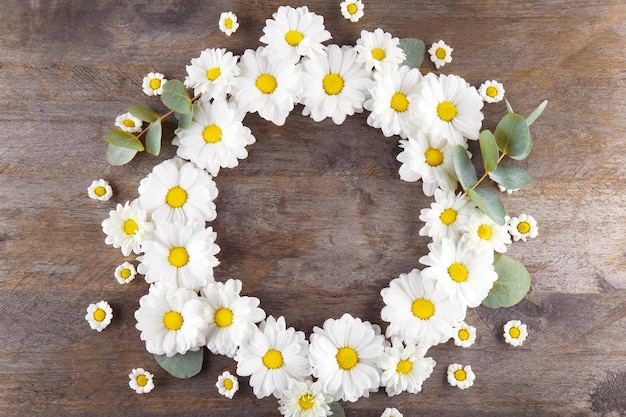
column 447, row 216
column 304, row 399
column 404, row 367
column 379, row 51
column 484, row 234
column 127, row 227
column 212, row 73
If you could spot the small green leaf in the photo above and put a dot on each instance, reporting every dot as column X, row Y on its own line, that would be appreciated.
column 182, row 366
column 508, row 106
column 536, row 113
column 489, row 150
column 119, row 156
column 511, row 177
column 336, row 409
column 512, row 285
column 488, row 203
column 176, row 96
column 184, row 120
column 463, row 167
column 153, row 138
column 414, row 50
column 123, row 139
column 143, row 113
column 513, row 136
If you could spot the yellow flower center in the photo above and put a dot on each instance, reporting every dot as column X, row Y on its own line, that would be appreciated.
column 463, row 334
column 446, row 111
column 155, row 83
column 514, row 332
column 223, row 317
column 448, row 216
column 404, row 367
column 173, row 320
column 125, row 273
column 399, row 102
column 378, row 54
column 273, row 359
column 333, row 84
column 128, row 123
column 347, row 358
column 458, row 272
column 178, row 257
column 141, row 380
column 99, row 314
column 306, row 401
column 491, row 91
column 228, row 384
column 229, row 25
column 484, row 232
column 266, row 83
column 440, row 53
column 213, row 73
column 99, row 191
column 130, row 227
column 423, row 308
column 434, row 157
column 176, row 197
column 352, row 8
column 523, row 227
column 293, row 37
column 212, row 133
column 460, row 375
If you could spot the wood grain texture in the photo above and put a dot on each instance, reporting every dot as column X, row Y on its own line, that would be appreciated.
column 315, row 222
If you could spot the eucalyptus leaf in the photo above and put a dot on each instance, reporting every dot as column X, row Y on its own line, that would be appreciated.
column 511, row 177
column 536, row 113
column 508, row 106
column 463, row 167
column 176, row 96
column 513, row 136
column 123, row 139
column 512, row 285
column 182, row 366
column 119, row 156
column 489, row 150
column 184, row 120
column 488, row 203
column 414, row 50
column 153, row 138
column 143, row 113
column 336, row 409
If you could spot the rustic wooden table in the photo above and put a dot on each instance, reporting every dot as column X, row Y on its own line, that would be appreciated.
column 315, row 222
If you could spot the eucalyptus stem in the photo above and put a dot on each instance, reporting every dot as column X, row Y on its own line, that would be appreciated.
column 165, row 116
column 486, row 174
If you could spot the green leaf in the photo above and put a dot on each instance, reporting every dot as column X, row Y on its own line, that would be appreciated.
column 512, row 285
column 463, row 167
column 488, row 203
column 511, row 177
column 153, row 138
column 143, row 113
column 176, row 96
column 184, row 120
column 536, row 113
column 414, row 50
column 182, row 366
column 513, row 136
column 489, row 150
column 508, row 106
column 336, row 409
column 123, row 139
column 119, row 156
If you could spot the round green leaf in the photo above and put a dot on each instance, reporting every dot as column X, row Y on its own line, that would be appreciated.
column 511, row 177
column 184, row 120
column 153, row 138
column 513, row 136
column 512, row 285
column 336, row 409
column 488, row 203
column 414, row 50
column 176, row 96
column 143, row 113
column 119, row 156
column 463, row 167
column 182, row 366
column 488, row 150
column 123, row 139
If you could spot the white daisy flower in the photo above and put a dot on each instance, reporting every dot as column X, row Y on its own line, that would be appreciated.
column 125, row 273
column 128, row 123
column 233, row 318
column 379, row 51
column 460, row 376
column 515, row 333
column 491, row 91
column 99, row 315
column 522, row 227
column 404, row 368
column 391, row 412
column 227, row 384
column 269, row 87
column 141, row 381
column 466, row 275
column 464, row 335
column 447, row 216
column 450, row 108
column 100, row 190
column 212, row 73
column 172, row 321
column 180, row 256
column 293, row 33
column 304, row 399
column 418, row 312
column 344, row 356
column 127, row 227
column 352, row 10
column 484, row 234
column 394, row 102
column 440, row 54
column 336, row 85
column 178, row 191
column 153, row 83
column 216, row 137
column 272, row 356
column 228, row 23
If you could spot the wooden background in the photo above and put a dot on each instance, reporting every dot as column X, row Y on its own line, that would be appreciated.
column 315, row 222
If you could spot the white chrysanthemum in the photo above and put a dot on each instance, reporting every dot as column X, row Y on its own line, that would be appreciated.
column 228, row 23
column 178, row 191
column 464, row 335
column 125, row 273
column 344, row 356
column 391, row 412
column 272, row 356
column 432, row 162
column 227, row 384
column 269, row 87
column 336, row 85
column 293, row 33
column 491, row 91
column 466, row 275
column 440, row 54
column 127, row 227
column 212, row 73
column 404, row 368
column 100, row 190
column 153, row 83
column 233, row 318
column 447, row 216
column 450, row 108
column 352, row 10
column 484, row 234
column 180, row 256
column 99, row 315
column 141, row 381
column 128, row 123
column 172, row 321
column 418, row 312
column 304, row 399
column 216, row 137
column 522, row 227
column 515, row 333
column 379, row 51
column 394, row 102
column 460, row 376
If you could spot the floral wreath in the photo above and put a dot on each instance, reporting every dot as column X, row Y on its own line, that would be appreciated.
column 186, row 309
